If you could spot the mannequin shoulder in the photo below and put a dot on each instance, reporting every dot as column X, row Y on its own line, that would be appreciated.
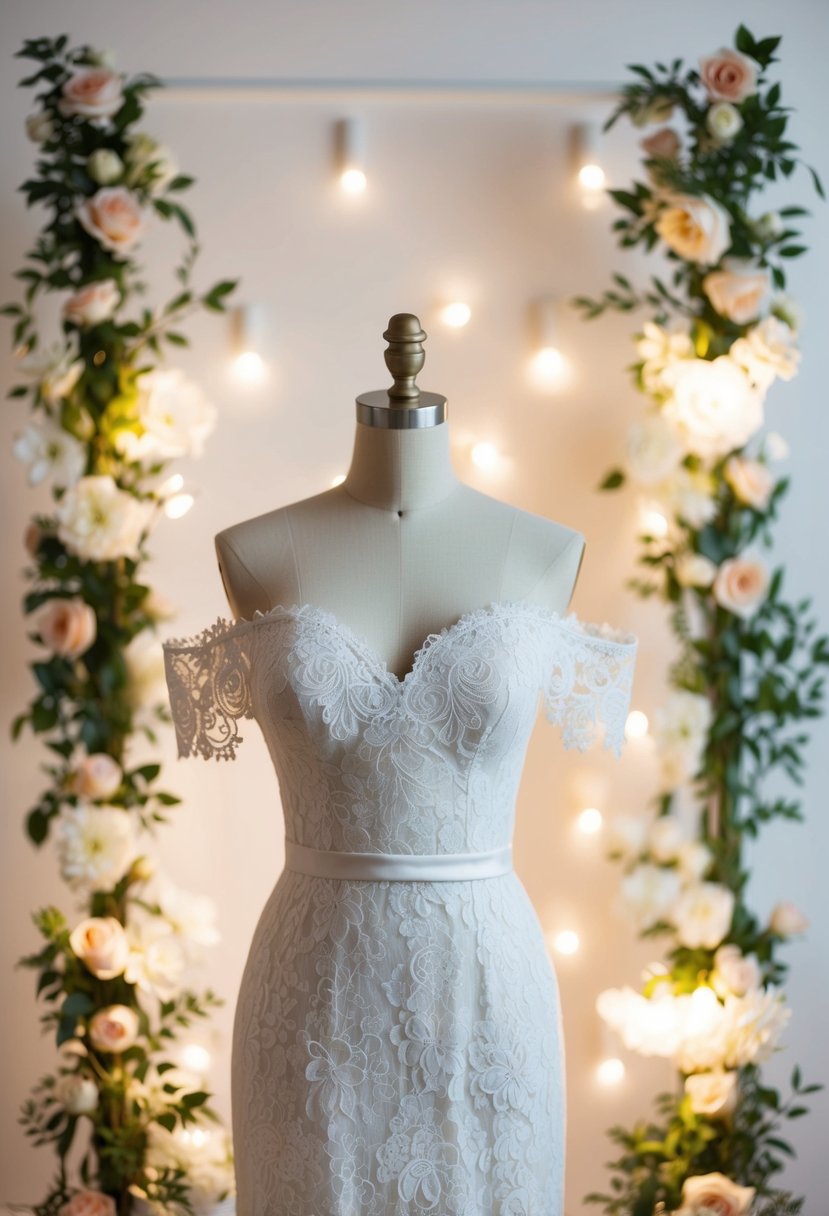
column 535, row 536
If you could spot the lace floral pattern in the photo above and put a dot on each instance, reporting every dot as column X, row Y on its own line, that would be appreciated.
column 397, row 1045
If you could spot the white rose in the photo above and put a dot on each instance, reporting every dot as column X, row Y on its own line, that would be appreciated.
column 702, row 914
column 755, row 1023
column 739, row 291
column 723, row 121
column 56, row 367
column 692, row 495
column 76, row 1093
column 92, row 304
column 694, row 570
column 175, row 415
column 158, row 957
column 769, row 349
column 149, row 162
column 101, row 944
column 716, row 1194
column 144, row 658
column 99, row 521
column 98, row 775
column 653, row 450
column 713, row 404
column 96, row 846
column 48, row 449
column 114, row 1028
column 741, row 585
column 751, row 481
column 786, row 919
column 649, row 892
column 702, row 1038
column 695, row 227
column 666, row 836
column 694, row 858
column 104, row 166
column 712, row 1093
column 659, row 347
column 39, row 127
column 735, row 972
column 627, row 834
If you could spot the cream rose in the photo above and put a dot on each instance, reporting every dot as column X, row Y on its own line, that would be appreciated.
column 786, row 919
column 96, row 846
column 92, row 304
column 739, row 290
column 735, row 972
column 741, row 585
column 99, row 521
column 694, row 570
column 723, row 121
column 149, row 162
column 114, row 216
column 56, row 367
column 728, row 75
column 649, row 892
column 666, row 836
column 92, row 93
column 48, row 449
column 39, row 127
column 653, row 450
column 104, row 166
column 89, row 1203
column 769, row 349
column 98, row 775
column 101, row 944
column 751, row 481
column 712, row 1093
column 694, row 857
column 695, row 227
column 76, row 1093
column 691, row 494
column 702, row 914
column 717, row 1194
column 114, row 1028
column 713, row 404
column 67, row 626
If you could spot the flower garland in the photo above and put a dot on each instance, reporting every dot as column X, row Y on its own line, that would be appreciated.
column 108, row 416
column 720, row 332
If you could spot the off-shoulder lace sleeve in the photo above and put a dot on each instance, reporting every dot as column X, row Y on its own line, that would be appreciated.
column 588, row 680
column 208, row 679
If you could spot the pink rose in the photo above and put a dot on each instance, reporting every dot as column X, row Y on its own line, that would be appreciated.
column 100, row 942
column 98, row 775
column 751, row 480
column 92, row 93
column 92, row 304
column 786, row 919
column 716, row 1193
column 741, row 585
column 728, row 75
column 68, row 626
column 89, row 1203
column 114, row 1028
column 114, row 216
column 664, row 142
column 739, row 290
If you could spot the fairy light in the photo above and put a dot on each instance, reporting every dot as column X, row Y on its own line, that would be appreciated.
column 178, row 505
column 351, row 155
column 485, row 455
column 195, row 1057
column 636, row 724
column 566, row 941
column 590, row 175
column 548, row 367
column 610, row 1071
column 590, row 821
column 247, row 323
column 456, row 315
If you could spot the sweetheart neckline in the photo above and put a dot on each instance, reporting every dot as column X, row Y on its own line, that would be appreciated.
column 358, row 642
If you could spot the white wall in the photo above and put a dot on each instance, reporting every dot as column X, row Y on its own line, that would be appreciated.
column 471, row 197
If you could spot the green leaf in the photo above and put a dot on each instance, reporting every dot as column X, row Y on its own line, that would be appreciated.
column 37, row 826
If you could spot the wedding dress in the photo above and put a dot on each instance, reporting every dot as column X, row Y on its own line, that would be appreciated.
column 397, row 1043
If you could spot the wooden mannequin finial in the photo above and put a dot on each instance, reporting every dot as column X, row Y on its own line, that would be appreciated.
column 404, row 357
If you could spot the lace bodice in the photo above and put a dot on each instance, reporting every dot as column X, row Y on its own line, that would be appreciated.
column 369, row 762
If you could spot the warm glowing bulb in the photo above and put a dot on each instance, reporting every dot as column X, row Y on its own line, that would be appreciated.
column 195, row 1057
column 566, row 942
column 610, row 1071
column 654, row 522
column 178, row 505
column 338, row 480
column 636, row 724
column 456, row 315
column 249, row 366
column 484, row 455
column 353, row 181
column 589, row 821
column 591, row 177
column 172, row 484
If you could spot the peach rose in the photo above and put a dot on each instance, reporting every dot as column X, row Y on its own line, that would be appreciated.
column 89, row 1203
column 92, row 304
column 664, row 142
column 751, row 480
column 695, row 227
column 101, row 944
column 741, row 585
column 739, row 290
column 92, row 93
column 787, row 919
column 716, row 1193
column 114, row 217
column 712, row 1093
column 728, row 75
column 114, row 1028
column 735, row 972
column 98, row 775
column 68, row 626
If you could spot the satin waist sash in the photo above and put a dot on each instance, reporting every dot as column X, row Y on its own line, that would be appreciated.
column 403, row 867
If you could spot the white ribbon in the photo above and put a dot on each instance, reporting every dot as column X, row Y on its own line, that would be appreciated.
column 403, row 867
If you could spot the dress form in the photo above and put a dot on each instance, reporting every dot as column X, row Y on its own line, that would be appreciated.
column 402, row 547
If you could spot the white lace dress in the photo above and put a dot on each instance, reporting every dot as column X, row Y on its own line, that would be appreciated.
column 397, row 1044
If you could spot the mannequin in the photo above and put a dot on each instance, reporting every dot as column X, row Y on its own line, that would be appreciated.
column 402, row 547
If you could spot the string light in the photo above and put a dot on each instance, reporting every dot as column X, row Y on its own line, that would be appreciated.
column 351, row 156
column 590, row 175
column 566, row 941
column 590, row 821
column 178, row 505
column 485, row 455
column 195, row 1057
column 610, row 1071
column 653, row 520
column 548, row 367
column 456, row 315
column 636, row 724
column 247, row 323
